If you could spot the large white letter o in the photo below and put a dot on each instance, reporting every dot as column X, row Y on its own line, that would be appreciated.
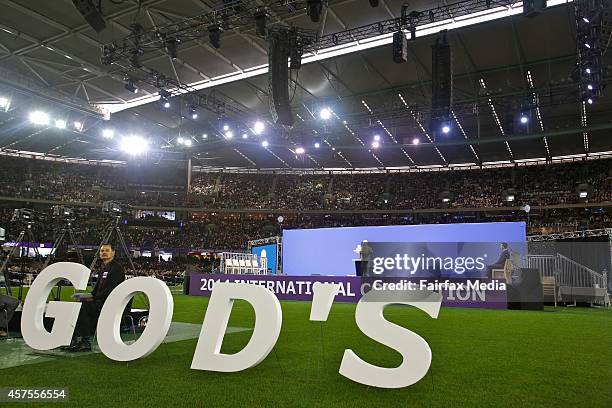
column 160, row 317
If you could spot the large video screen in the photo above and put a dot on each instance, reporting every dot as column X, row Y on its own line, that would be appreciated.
column 331, row 251
column 270, row 253
column 149, row 172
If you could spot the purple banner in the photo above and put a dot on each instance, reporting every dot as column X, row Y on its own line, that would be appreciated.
column 473, row 293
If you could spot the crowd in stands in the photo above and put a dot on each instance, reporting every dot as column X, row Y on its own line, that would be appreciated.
column 337, row 198
column 536, row 185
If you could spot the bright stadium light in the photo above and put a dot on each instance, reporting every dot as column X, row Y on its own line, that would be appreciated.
column 39, row 118
column 60, row 124
column 416, row 141
column 229, row 134
column 524, row 119
column 133, row 145
column 4, row 103
column 375, row 144
column 325, row 113
column 108, row 133
column 205, row 136
column 226, row 127
column 78, row 125
column 245, row 136
column 259, row 127
column 265, row 143
column 317, row 145
column 377, row 138
column 300, row 150
column 180, row 140
column 188, row 142
column 446, row 129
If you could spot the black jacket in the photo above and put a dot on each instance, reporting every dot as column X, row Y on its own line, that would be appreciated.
column 110, row 276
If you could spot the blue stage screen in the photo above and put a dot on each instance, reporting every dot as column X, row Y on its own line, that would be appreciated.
column 270, row 250
column 330, row 251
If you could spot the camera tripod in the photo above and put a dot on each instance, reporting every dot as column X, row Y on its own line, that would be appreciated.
column 17, row 247
column 66, row 231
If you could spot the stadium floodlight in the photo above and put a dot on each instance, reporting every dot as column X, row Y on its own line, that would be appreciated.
column 131, row 87
column 245, row 136
column 590, row 101
column 180, row 140
column 188, row 142
column 375, row 144
column 300, row 150
column 259, row 127
column 265, row 143
column 446, row 128
column 78, row 125
column 588, row 71
column 377, row 138
column 166, row 104
column 4, row 103
column 133, row 145
column 317, row 145
column 60, row 124
column 416, row 141
column 194, row 112
column 226, row 127
column 205, row 136
column 172, row 47
column 108, row 133
column 325, row 113
column 524, row 119
column 39, row 118
column 590, row 87
column 214, row 35
column 229, row 134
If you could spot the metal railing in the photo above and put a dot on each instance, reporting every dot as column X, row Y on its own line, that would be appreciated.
column 566, row 271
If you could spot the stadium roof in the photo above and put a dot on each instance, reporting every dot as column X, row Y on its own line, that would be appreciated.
column 50, row 62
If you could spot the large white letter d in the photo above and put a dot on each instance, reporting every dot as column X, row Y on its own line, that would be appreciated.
column 268, row 321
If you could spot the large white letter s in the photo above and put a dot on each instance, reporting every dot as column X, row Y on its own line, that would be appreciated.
column 414, row 349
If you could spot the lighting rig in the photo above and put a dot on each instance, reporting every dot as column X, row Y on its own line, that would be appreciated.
column 392, row 112
column 251, row 13
column 593, row 35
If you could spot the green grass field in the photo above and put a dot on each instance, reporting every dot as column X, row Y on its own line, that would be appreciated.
column 561, row 357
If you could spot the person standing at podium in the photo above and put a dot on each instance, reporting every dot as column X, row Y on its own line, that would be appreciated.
column 110, row 276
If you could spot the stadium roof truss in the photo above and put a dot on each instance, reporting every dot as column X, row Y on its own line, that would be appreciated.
column 50, row 59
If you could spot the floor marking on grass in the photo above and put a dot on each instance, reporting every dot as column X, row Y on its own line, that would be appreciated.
column 15, row 352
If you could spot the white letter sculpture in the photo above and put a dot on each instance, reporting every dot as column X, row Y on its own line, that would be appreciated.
column 414, row 349
column 268, row 321
column 65, row 313
column 158, row 323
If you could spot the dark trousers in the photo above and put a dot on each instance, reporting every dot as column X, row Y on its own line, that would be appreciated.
column 88, row 319
column 10, row 304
